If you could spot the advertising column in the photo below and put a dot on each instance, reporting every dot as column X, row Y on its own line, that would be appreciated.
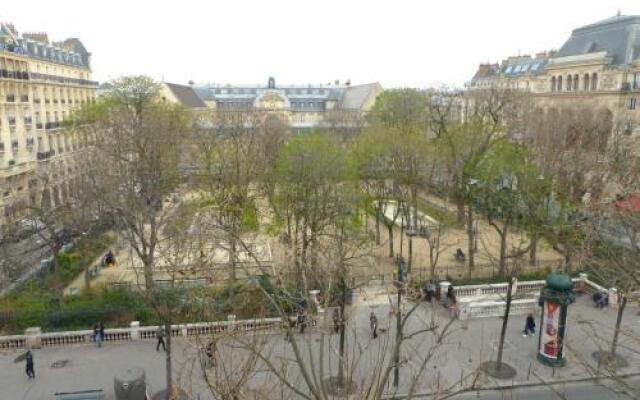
column 556, row 297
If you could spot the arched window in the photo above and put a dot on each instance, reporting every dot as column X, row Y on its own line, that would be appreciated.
column 585, row 83
column 575, row 82
column 559, row 87
column 569, row 83
column 594, row 81
column 553, row 83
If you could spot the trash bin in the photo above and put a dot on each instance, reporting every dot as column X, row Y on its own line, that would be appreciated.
column 130, row 384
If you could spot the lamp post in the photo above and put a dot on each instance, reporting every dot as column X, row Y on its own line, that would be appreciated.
column 399, row 284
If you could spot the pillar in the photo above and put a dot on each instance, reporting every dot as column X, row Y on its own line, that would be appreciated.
column 34, row 338
column 135, row 330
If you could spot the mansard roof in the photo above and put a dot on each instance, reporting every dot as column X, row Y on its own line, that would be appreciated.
column 186, row 95
column 619, row 36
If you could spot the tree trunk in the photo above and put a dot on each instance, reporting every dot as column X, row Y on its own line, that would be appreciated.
column 148, row 262
column 390, row 230
column 232, row 258
column 533, row 250
column 614, row 343
column 470, row 239
column 460, row 209
column 502, row 266
column 168, row 365
column 505, row 321
column 378, row 216
column 342, row 361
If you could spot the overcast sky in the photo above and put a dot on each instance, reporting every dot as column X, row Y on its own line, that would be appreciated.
column 398, row 43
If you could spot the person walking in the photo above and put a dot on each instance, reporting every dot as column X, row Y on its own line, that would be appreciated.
column 30, row 368
column 373, row 323
column 210, row 351
column 302, row 320
column 160, row 333
column 336, row 320
column 98, row 334
column 529, row 326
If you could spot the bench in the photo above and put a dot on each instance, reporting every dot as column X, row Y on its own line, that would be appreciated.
column 81, row 395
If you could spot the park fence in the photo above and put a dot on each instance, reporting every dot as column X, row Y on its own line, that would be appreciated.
column 34, row 338
column 474, row 301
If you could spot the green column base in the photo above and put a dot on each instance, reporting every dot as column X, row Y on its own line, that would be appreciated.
column 550, row 362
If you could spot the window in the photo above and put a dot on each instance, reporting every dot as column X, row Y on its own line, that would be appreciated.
column 525, row 67
column 636, row 80
column 594, row 81
column 535, row 66
column 559, row 89
column 553, row 83
column 569, row 83
column 585, row 82
column 575, row 82
column 508, row 70
column 632, row 104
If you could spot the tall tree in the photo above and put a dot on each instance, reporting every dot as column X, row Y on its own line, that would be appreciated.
column 138, row 143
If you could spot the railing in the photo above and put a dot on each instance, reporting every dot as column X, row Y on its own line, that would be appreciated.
column 135, row 333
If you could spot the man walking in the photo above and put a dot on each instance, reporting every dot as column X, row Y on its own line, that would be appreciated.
column 529, row 326
column 373, row 322
column 30, row 369
column 98, row 333
column 302, row 319
column 160, row 336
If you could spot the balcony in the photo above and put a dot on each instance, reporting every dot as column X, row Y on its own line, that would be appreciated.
column 52, row 125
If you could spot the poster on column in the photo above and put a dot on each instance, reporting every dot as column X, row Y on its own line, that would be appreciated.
column 550, row 321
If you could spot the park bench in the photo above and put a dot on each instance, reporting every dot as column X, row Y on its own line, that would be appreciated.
column 81, row 395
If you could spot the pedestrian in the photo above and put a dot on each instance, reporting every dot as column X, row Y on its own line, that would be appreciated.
column 373, row 323
column 336, row 320
column 160, row 336
column 431, row 291
column 98, row 334
column 30, row 368
column 102, row 337
column 210, row 351
column 302, row 319
column 529, row 326
column 109, row 259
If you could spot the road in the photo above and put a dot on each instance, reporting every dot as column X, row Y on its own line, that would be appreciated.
column 589, row 390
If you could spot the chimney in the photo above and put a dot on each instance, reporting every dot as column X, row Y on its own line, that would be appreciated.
column 37, row 36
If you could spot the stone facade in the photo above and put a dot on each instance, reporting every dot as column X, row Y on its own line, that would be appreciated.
column 41, row 83
column 597, row 68
column 301, row 107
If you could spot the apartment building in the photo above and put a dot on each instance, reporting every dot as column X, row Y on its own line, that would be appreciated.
column 41, row 83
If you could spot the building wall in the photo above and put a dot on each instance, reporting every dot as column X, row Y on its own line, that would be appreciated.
column 38, row 158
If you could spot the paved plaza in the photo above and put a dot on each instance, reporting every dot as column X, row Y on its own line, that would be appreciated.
column 453, row 366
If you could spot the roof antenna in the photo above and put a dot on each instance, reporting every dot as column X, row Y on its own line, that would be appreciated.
column 619, row 12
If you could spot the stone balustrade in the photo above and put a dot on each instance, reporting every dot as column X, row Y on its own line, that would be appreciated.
column 473, row 301
column 136, row 332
